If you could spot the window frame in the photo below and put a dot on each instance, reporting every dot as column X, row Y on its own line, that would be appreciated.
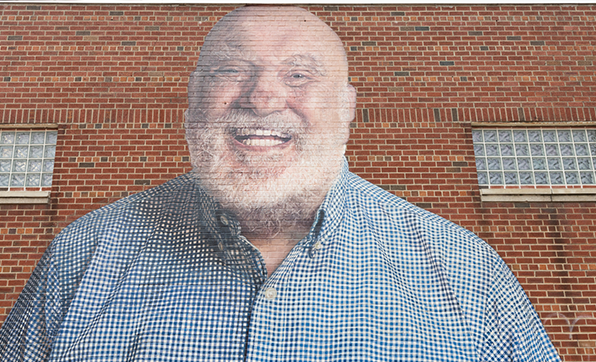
column 534, row 192
column 27, row 196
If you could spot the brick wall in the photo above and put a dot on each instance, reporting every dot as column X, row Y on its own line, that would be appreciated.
column 113, row 78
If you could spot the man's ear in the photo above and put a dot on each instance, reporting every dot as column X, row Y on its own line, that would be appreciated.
column 351, row 95
column 349, row 111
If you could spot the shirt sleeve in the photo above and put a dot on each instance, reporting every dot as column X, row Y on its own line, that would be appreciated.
column 29, row 329
column 513, row 331
column 33, row 324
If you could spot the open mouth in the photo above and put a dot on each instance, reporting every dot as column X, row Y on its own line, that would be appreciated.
column 256, row 137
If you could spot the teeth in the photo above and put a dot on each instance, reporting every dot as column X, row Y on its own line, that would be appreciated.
column 260, row 132
column 260, row 137
column 261, row 142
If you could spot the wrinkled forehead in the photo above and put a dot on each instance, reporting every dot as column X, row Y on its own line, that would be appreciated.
column 285, row 32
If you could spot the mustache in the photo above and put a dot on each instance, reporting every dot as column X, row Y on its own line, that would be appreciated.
column 236, row 121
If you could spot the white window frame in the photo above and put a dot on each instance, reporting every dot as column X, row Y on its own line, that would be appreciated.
column 536, row 193
column 26, row 196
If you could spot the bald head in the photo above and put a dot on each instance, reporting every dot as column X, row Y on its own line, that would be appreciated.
column 254, row 51
column 263, row 24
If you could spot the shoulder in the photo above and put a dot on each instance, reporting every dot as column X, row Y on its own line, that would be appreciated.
column 170, row 191
column 393, row 209
column 127, row 215
column 119, row 229
column 466, row 261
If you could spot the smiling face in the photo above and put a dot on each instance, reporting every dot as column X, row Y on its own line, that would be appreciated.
column 269, row 113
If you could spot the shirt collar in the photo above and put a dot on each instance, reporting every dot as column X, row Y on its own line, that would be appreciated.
column 330, row 213
column 221, row 231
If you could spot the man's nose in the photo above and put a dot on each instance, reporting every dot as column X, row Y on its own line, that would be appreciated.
column 266, row 94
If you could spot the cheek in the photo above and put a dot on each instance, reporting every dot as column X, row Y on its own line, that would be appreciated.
column 308, row 102
column 321, row 108
column 216, row 98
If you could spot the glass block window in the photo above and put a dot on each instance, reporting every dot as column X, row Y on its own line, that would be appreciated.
column 27, row 158
column 535, row 157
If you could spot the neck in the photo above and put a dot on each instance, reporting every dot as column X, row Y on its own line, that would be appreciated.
column 275, row 248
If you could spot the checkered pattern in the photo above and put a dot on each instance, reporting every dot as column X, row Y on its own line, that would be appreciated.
column 164, row 275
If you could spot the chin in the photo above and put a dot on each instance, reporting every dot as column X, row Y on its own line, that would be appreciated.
column 265, row 198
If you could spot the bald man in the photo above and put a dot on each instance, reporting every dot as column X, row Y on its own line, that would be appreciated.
column 270, row 250
column 269, row 116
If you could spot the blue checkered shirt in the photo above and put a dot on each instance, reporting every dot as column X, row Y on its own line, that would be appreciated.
column 164, row 275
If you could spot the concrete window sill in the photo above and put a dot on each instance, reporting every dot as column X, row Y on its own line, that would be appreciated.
column 538, row 195
column 24, row 197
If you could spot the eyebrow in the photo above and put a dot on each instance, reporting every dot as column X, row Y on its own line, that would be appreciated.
column 308, row 61
column 229, row 53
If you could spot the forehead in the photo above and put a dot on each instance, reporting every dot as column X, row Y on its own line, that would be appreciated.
column 282, row 38
column 283, row 48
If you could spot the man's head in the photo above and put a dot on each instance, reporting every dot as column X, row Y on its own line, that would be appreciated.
column 269, row 113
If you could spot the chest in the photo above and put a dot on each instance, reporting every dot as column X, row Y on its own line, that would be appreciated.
column 333, row 301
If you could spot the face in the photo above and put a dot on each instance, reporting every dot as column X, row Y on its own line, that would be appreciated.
column 269, row 114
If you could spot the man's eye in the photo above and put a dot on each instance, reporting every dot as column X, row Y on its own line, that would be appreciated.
column 297, row 79
column 231, row 73
column 227, row 71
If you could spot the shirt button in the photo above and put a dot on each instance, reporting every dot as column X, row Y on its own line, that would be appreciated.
column 224, row 220
column 270, row 293
column 318, row 245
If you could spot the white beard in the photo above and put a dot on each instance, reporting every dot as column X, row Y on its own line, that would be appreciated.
column 266, row 192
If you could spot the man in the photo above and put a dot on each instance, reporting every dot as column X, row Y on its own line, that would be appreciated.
column 271, row 249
